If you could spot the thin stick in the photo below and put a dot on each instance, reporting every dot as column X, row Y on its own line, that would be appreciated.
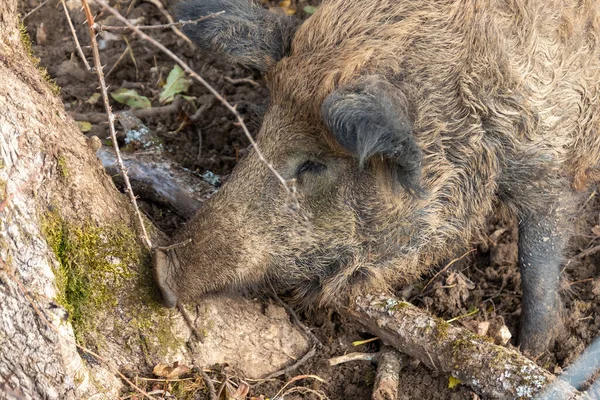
column 242, row 80
column 297, row 321
column 75, row 40
column 212, row 393
column 190, row 323
column 446, row 267
column 463, row 316
column 297, row 378
column 121, row 57
column 295, row 365
column 35, row 9
column 372, row 357
column 198, row 78
column 588, row 252
column 25, row 293
column 111, row 118
column 113, row 28
column 174, row 28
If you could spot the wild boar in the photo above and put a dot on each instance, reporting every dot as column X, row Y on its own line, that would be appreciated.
column 402, row 124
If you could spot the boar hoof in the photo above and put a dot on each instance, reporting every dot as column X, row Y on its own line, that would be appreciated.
column 164, row 262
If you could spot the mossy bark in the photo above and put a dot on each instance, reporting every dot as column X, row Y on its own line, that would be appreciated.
column 490, row 370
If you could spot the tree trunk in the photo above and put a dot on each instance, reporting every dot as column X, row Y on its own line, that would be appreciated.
column 68, row 251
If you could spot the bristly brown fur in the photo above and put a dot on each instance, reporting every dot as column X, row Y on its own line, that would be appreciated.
column 505, row 105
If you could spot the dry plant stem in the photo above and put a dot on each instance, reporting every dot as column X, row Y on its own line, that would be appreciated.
column 371, row 357
column 111, row 119
column 12, row 276
column 294, row 366
column 242, row 80
column 190, row 323
column 490, row 370
column 588, row 252
column 75, row 40
column 35, row 9
column 154, row 27
column 446, row 267
column 390, row 363
column 212, row 393
column 116, row 64
column 297, row 321
column 198, row 78
column 174, row 28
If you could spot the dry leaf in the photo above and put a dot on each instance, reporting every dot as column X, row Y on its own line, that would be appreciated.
column 483, row 328
column 173, row 372
column 596, row 230
column 286, row 6
column 41, row 35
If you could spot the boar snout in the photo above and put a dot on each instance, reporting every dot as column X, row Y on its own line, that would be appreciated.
column 164, row 262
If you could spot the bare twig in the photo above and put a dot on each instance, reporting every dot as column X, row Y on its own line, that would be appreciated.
column 111, row 119
column 199, row 157
column 315, row 340
column 446, row 267
column 294, row 366
column 190, row 323
column 75, row 40
column 173, row 26
column 242, row 80
column 121, row 57
column 113, row 28
column 42, row 4
column 304, row 391
column 295, row 379
column 198, row 78
column 212, row 393
column 372, row 357
column 588, row 252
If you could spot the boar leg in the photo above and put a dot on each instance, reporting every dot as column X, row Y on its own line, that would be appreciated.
column 541, row 245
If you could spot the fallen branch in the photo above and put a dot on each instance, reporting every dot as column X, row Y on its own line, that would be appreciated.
column 157, row 181
column 390, row 363
column 490, row 370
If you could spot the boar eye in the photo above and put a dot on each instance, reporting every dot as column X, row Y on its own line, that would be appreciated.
column 310, row 166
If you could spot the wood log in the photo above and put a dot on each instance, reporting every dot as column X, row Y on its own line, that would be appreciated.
column 490, row 370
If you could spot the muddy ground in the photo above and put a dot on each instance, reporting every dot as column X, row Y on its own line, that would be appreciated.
column 487, row 279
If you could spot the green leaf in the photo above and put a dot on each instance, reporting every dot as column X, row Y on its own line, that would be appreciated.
column 453, row 382
column 131, row 98
column 93, row 99
column 310, row 9
column 84, row 126
column 177, row 82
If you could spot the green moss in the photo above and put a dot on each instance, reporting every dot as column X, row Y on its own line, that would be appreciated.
column 2, row 190
column 28, row 45
column 94, row 262
column 61, row 167
column 441, row 329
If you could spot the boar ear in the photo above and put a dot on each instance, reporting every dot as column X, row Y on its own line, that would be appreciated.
column 244, row 33
column 370, row 119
